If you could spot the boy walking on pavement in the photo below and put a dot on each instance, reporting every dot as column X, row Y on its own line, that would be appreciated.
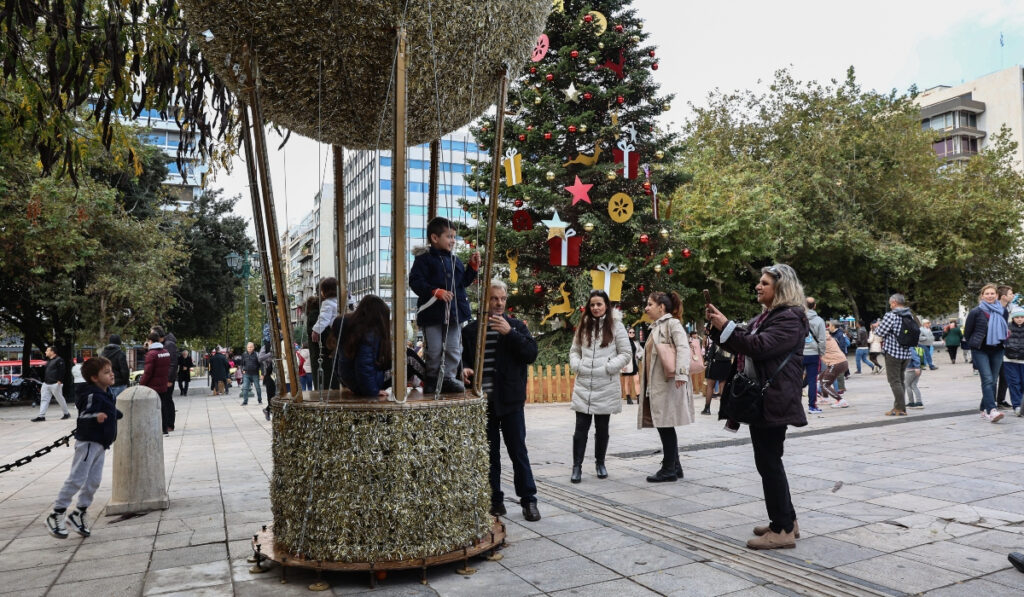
column 96, row 431
column 1013, row 359
column 53, row 385
column 439, row 280
column 912, row 376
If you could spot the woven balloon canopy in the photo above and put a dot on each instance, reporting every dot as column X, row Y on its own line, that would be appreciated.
column 326, row 67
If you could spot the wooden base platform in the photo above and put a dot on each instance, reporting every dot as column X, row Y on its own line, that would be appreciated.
column 346, row 397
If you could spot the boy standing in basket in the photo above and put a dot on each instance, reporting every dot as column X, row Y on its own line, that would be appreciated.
column 439, row 280
column 96, row 431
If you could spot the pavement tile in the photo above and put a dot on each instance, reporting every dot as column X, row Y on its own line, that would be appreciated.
column 671, row 507
column 695, row 579
column 184, row 556
column 993, row 540
column 98, row 569
column 715, row 519
column 958, row 558
column 974, row 588
column 564, row 523
column 17, row 581
column 106, row 549
column 225, row 590
column 1009, row 578
column 128, row 585
column 829, row 552
column 551, row 575
column 911, row 503
column 622, row 587
column 59, row 553
column 185, row 578
column 867, row 512
column 888, row 538
column 640, row 559
column 897, row 572
column 491, row 580
column 531, row 551
column 594, row 540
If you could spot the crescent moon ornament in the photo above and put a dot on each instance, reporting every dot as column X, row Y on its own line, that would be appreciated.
column 600, row 22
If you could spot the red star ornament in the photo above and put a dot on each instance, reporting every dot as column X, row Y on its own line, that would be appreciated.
column 580, row 191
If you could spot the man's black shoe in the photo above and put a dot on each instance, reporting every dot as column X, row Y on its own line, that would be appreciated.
column 498, row 509
column 530, row 511
column 1004, row 405
column 66, row 416
column 37, row 419
column 1017, row 559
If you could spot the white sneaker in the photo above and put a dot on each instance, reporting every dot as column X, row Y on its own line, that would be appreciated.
column 1016, row 410
column 77, row 521
column 55, row 524
column 843, row 403
column 835, row 404
column 984, row 416
column 994, row 416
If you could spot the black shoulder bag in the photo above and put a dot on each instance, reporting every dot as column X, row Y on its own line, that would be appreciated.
column 743, row 398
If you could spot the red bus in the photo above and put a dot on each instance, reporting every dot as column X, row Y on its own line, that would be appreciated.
column 11, row 370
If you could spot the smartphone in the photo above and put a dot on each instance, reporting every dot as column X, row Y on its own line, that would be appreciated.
column 707, row 297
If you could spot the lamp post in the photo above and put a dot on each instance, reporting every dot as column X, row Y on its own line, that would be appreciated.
column 242, row 267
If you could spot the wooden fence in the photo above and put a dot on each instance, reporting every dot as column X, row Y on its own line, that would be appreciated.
column 547, row 383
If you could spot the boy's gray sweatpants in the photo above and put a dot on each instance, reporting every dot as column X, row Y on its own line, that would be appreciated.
column 910, row 379
column 438, row 346
column 86, row 474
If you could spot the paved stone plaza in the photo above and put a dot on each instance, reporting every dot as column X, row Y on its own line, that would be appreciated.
column 929, row 503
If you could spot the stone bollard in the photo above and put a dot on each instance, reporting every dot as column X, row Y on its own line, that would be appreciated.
column 139, row 484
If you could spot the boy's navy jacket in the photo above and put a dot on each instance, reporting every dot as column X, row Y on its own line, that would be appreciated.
column 437, row 268
column 92, row 401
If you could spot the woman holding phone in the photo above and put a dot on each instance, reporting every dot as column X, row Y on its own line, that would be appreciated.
column 666, row 399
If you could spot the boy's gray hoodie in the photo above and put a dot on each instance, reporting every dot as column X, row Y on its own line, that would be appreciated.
column 815, row 341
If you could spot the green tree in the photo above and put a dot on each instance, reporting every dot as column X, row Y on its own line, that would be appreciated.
column 842, row 184
column 592, row 91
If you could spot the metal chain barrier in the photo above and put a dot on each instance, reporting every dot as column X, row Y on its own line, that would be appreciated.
column 64, row 441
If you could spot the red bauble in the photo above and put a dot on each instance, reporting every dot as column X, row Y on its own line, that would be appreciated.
column 664, row 260
column 582, row 308
column 654, row 66
column 589, row 18
column 547, row 136
column 511, row 309
column 522, row 137
column 640, row 288
column 687, row 253
column 644, row 239
column 670, row 271
column 518, row 203
column 620, row 99
column 482, row 146
column 647, row 185
column 572, row 128
column 537, row 289
column 588, row 95
column 618, row 29
column 651, row 53
column 549, row 77
column 533, row 70
column 529, row 127
column 472, row 245
column 648, row 192
column 574, row 54
column 483, row 129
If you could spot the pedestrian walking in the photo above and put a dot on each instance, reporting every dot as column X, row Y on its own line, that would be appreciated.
column 249, row 366
column 875, row 347
column 1006, row 295
column 154, row 376
column 118, row 362
column 220, row 370
column 95, row 432
column 843, row 343
column 899, row 332
column 717, row 365
column 985, row 330
column 508, row 349
column 836, row 367
column 927, row 344
column 629, row 378
column 911, row 376
column 185, row 365
column 53, row 386
column 76, row 374
column 769, row 348
column 666, row 399
column 696, row 363
column 953, row 336
column 863, row 347
column 600, row 348
column 1013, row 359
column 814, row 349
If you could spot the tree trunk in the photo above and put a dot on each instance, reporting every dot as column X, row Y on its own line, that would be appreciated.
column 26, row 358
column 853, row 306
column 65, row 347
column 103, row 321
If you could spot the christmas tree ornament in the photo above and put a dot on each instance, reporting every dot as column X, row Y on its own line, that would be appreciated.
column 607, row 278
column 522, row 137
column 541, row 49
column 663, row 233
column 671, row 271
column 588, row 96
column 647, row 185
column 585, row 160
column 664, row 260
column 572, row 128
column 513, row 163
column 583, row 128
column 640, row 25
column 557, row 6
column 640, row 288
column 618, row 29
column 481, row 185
column 537, row 100
column 555, row 222
column 514, row 290
column 611, row 175
column 657, row 268
column 669, row 251
column 659, row 154
column 634, row 309
column 547, row 136
column 537, row 289
column 617, row 67
column 574, row 54
column 687, row 253
column 529, row 127
column 620, row 208
column 600, row 22
column 591, row 61
column 588, row 18
column 600, row 45
column 549, row 175
column 635, row 39
column 666, row 107
column 521, row 221
column 654, row 66
column 644, row 239
column 518, row 203
column 564, row 307
column 579, row 191
column 513, row 265
column 484, row 129
column 628, row 159
column 571, row 94
column 620, row 99
column 651, row 53
column 623, row 267
column 589, row 226
column 563, row 247
column 549, row 77
column 533, row 70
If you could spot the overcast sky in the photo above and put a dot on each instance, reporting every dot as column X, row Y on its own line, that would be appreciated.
column 732, row 44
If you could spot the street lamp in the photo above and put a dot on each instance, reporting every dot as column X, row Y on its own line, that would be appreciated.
column 242, row 267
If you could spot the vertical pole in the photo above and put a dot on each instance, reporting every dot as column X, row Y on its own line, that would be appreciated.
column 398, row 255
column 261, row 242
column 245, row 285
column 435, row 158
column 274, row 239
column 339, row 225
column 492, row 223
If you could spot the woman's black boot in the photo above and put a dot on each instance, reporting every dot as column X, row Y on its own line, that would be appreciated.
column 579, row 448
column 577, row 473
column 667, row 472
column 679, row 469
column 600, row 449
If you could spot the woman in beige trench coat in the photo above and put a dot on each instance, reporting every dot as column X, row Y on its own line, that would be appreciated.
column 666, row 401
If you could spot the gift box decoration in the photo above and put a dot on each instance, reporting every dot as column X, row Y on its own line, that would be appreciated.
column 513, row 167
column 564, row 247
column 607, row 278
column 627, row 157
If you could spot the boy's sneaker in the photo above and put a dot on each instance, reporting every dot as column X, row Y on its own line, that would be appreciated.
column 916, row 405
column 77, row 521
column 1020, row 412
column 450, row 385
column 814, row 409
column 841, row 403
column 55, row 524
column 994, row 416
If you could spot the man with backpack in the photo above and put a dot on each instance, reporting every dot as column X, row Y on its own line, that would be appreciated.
column 900, row 333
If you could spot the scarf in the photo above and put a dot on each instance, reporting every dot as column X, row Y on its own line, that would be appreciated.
column 997, row 330
column 756, row 323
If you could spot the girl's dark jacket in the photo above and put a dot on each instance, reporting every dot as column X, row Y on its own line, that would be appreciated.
column 781, row 333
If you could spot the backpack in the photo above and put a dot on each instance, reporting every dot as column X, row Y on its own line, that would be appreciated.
column 909, row 334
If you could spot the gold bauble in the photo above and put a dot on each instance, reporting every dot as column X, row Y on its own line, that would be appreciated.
column 610, row 175
column 537, row 100
column 583, row 128
column 666, row 106
column 481, row 185
column 623, row 267
column 600, row 45
column 514, row 290
column 634, row 309
column 659, row 154
column 635, row 39
column 663, row 233
column 657, row 268
column 669, row 252
column 550, row 175
column 591, row 61
column 640, row 25
column 589, row 226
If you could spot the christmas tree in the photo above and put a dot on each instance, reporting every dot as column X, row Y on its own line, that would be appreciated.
column 583, row 195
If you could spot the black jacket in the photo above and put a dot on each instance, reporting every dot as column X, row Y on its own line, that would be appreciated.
column 54, row 370
column 249, row 362
column 514, row 352
column 220, row 369
column 171, row 346
column 92, row 401
column 118, row 362
column 185, row 365
column 976, row 330
column 781, row 333
column 435, row 269
column 1014, row 343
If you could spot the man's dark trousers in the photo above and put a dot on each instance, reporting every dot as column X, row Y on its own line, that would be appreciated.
column 513, row 427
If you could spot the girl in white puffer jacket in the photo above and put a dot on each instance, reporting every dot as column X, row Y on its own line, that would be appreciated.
column 599, row 351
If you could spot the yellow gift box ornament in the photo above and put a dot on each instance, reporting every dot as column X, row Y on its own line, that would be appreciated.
column 513, row 167
column 607, row 278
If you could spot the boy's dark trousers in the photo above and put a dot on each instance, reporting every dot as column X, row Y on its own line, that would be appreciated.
column 167, row 409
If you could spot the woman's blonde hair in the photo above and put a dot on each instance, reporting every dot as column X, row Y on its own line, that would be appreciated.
column 986, row 287
column 789, row 292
